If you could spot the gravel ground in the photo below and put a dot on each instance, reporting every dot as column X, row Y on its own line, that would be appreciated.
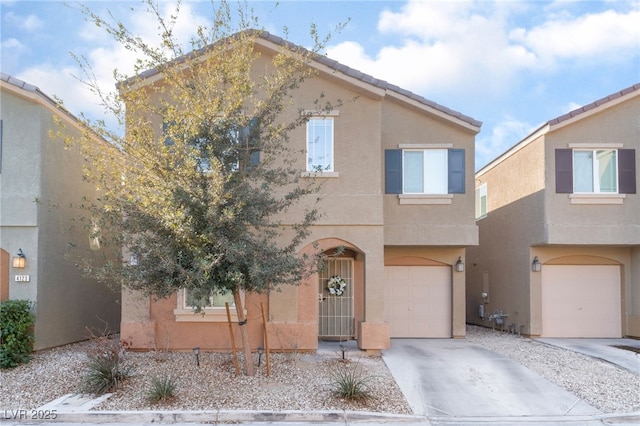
column 603, row 385
column 298, row 381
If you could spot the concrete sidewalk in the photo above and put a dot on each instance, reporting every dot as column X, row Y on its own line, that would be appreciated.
column 604, row 349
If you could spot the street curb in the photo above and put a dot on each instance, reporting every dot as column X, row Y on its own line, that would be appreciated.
column 213, row 417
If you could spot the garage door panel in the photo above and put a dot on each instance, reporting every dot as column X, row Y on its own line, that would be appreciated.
column 581, row 301
column 418, row 301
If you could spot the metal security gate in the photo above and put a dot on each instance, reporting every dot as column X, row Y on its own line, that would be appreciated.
column 335, row 311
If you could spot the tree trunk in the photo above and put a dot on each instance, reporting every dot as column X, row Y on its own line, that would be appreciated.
column 244, row 334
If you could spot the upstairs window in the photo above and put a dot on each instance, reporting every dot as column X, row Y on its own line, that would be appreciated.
column 481, row 201
column 595, row 171
column 424, row 171
column 320, row 144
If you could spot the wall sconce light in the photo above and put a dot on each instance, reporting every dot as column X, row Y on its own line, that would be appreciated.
column 19, row 261
column 536, row 266
column 459, row 265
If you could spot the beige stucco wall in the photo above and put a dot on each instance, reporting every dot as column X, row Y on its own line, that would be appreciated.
column 449, row 224
column 40, row 179
column 526, row 218
column 355, row 214
column 599, row 223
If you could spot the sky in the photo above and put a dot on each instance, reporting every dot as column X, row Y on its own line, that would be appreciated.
column 513, row 65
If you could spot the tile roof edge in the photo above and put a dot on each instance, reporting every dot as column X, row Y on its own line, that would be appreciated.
column 597, row 103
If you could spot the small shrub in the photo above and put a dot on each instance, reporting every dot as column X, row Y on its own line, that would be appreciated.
column 105, row 371
column 162, row 389
column 104, row 375
column 350, row 384
column 16, row 333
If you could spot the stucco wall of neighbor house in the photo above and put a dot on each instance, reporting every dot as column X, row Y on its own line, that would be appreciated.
column 445, row 220
column 526, row 218
column 500, row 266
column 19, row 188
column 633, row 298
column 408, row 256
column 39, row 181
column 72, row 307
column 596, row 223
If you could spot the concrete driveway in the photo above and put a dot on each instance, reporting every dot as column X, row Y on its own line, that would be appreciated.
column 604, row 349
column 451, row 377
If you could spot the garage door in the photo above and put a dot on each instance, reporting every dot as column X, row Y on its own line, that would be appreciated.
column 581, row 301
column 418, row 301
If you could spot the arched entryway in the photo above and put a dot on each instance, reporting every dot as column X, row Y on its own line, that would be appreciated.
column 339, row 287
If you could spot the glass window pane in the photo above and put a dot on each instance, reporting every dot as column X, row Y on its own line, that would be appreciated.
column 320, row 144
column 436, row 178
column 413, row 172
column 606, row 168
column 582, row 171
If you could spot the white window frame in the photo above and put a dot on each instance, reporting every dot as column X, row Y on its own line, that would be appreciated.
column 595, row 169
column 428, row 173
column 328, row 166
column 481, row 195
column 185, row 313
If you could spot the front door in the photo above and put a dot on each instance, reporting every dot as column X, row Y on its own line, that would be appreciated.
column 335, row 298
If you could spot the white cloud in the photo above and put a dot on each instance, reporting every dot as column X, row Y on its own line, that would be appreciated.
column 506, row 133
column 484, row 48
column 590, row 36
column 28, row 23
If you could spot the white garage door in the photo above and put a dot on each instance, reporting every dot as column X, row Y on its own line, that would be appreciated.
column 581, row 301
column 418, row 301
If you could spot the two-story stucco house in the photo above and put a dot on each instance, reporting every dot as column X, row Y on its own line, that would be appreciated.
column 397, row 196
column 559, row 223
column 39, row 179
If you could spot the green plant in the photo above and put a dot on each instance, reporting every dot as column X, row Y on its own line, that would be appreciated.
column 16, row 335
column 350, row 383
column 162, row 388
column 105, row 371
column 104, row 375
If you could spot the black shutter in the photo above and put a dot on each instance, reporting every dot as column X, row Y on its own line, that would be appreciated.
column 393, row 171
column 627, row 171
column 456, row 171
column 564, row 171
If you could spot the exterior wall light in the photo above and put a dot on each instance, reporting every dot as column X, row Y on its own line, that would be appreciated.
column 536, row 266
column 19, row 261
column 459, row 265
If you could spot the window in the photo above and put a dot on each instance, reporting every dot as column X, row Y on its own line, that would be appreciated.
column 595, row 171
column 213, row 301
column 424, row 171
column 481, row 201
column 320, row 144
column 214, row 309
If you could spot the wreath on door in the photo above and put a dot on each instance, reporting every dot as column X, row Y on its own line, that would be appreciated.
column 336, row 285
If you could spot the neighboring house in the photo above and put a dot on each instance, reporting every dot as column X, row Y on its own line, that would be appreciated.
column 39, row 179
column 559, row 221
column 402, row 237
